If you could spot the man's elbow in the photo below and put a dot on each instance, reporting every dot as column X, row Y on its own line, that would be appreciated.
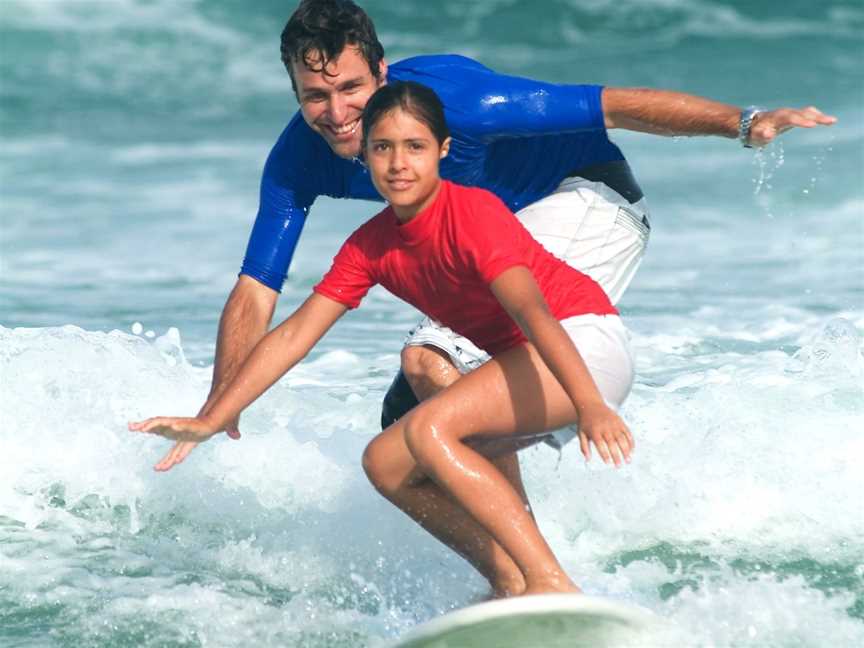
column 253, row 297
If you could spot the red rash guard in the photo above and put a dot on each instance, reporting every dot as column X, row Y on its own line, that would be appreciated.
column 443, row 261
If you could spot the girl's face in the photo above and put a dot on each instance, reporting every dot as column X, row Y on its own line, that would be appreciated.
column 403, row 155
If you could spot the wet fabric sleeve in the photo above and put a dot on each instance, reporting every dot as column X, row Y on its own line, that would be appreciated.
column 287, row 193
column 508, row 106
column 349, row 278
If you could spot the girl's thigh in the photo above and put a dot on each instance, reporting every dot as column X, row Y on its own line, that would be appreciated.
column 514, row 394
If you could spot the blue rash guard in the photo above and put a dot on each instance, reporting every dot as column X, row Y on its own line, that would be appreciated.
column 515, row 137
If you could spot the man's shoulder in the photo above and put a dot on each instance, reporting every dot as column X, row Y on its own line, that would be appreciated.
column 429, row 62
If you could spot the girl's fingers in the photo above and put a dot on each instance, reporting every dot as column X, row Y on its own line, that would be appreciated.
column 602, row 450
column 625, row 445
column 585, row 445
column 175, row 456
column 614, row 452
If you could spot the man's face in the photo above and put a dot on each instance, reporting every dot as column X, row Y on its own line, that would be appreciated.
column 332, row 103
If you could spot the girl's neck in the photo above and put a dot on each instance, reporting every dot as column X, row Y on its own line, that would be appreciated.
column 406, row 213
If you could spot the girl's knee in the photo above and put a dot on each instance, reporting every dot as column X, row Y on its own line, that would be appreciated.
column 374, row 461
column 425, row 435
column 387, row 463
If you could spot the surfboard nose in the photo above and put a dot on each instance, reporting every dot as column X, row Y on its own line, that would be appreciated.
column 547, row 621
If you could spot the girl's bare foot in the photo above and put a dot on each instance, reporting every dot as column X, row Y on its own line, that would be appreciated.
column 507, row 587
column 551, row 585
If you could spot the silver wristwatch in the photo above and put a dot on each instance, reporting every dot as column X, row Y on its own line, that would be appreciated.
column 745, row 122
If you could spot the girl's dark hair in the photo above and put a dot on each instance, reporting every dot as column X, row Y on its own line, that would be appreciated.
column 323, row 28
column 416, row 99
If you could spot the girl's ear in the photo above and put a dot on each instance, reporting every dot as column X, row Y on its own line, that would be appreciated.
column 445, row 148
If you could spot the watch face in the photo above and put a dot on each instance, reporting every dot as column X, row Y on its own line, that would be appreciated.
column 744, row 124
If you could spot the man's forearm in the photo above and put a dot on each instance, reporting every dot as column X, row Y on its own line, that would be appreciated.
column 244, row 322
column 664, row 112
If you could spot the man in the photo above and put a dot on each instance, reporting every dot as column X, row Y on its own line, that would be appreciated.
column 543, row 148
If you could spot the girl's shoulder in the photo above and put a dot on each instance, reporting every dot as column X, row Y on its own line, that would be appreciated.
column 476, row 200
column 374, row 230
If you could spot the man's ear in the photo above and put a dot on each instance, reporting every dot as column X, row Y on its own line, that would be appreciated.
column 382, row 72
column 445, row 147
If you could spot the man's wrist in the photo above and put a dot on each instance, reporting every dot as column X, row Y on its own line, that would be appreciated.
column 745, row 124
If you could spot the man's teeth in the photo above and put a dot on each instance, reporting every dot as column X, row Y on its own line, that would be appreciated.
column 350, row 127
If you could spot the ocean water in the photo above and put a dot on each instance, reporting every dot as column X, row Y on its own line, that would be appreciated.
column 132, row 134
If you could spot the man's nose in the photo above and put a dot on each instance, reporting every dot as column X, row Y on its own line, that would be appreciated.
column 337, row 109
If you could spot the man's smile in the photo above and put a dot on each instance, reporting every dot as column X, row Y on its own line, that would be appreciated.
column 349, row 128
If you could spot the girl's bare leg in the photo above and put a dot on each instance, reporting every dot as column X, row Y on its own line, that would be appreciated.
column 430, row 370
column 513, row 395
column 394, row 473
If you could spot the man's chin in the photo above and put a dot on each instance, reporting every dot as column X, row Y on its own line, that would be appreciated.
column 345, row 149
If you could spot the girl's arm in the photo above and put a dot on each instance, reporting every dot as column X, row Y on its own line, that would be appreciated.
column 272, row 357
column 520, row 296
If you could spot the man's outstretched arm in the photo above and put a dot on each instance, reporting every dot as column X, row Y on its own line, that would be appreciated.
column 664, row 112
column 244, row 322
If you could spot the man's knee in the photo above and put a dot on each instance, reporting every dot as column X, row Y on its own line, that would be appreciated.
column 419, row 362
column 428, row 369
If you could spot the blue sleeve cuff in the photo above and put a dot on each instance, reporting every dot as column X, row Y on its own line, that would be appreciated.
column 274, row 280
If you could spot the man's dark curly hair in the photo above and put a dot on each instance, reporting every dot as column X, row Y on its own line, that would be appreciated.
column 323, row 28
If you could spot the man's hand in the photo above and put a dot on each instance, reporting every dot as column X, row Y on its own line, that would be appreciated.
column 771, row 123
column 599, row 425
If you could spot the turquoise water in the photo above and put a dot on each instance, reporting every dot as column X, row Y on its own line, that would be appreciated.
column 133, row 134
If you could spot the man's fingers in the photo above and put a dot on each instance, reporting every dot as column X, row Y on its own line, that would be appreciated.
column 812, row 112
column 769, row 125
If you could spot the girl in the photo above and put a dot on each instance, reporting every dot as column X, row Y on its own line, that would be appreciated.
column 459, row 255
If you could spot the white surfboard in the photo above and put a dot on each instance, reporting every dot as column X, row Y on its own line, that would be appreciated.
column 546, row 621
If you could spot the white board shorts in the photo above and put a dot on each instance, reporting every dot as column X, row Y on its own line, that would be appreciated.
column 595, row 230
column 602, row 340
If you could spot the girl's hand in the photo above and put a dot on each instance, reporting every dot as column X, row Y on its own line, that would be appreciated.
column 180, row 450
column 179, row 429
column 605, row 429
